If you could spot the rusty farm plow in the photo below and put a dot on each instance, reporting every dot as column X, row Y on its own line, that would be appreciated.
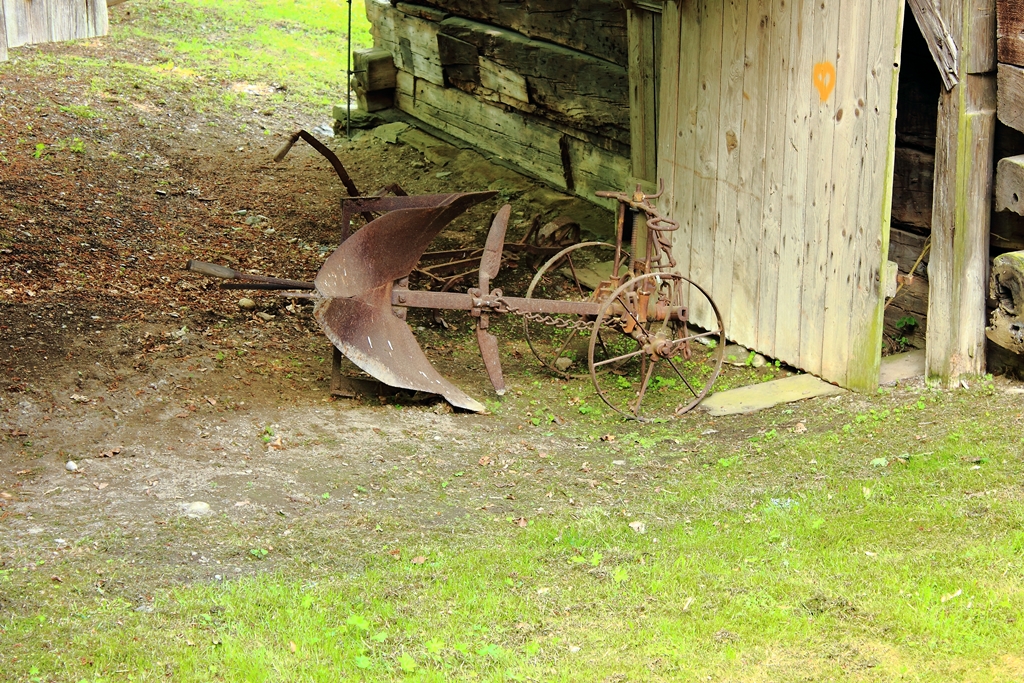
column 651, row 340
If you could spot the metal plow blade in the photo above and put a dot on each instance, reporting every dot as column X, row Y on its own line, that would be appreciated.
column 382, row 345
column 356, row 284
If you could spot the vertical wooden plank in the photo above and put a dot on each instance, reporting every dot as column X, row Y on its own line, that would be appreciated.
column 726, row 238
column 668, row 104
column 38, row 12
column 16, row 17
column 961, row 212
column 681, row 137
column 775, row 147
column 742, row 326
column 871, row 244
column 97, row 17
column 705, row 228
column 847, row 165
column 819, row 183
column 61, row 15
column 3, row 33
column 642, row 99
column 791, row 245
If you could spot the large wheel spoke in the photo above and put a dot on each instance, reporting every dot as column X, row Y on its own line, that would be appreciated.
column 665, row 287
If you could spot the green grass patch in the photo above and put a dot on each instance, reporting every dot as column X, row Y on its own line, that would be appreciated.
column 745, row 571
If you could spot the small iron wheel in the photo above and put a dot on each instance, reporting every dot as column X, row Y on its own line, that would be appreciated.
column 562, row 349
column 672, row 363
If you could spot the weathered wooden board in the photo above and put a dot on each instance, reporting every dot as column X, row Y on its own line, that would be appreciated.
column 962, row 208
column 705, row 170
column 817, row 199
column 644, row 30
column 751, row 145
column 1010, row 31
column 796, row 162
column 773, row 101
column 913, row 187
column 567, row 85
column 1011, row 96
column 410, row 39
column 820, row 218
column 730, row 121
column 526, row 142
column 1010, row 184
column 596, row 27
column 940, row 43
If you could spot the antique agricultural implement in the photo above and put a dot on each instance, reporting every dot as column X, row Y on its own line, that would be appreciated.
column 651, row 339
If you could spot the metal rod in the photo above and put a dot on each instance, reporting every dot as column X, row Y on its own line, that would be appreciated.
column 348, row 80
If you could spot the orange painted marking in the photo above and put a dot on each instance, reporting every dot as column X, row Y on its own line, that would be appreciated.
column 824, row 78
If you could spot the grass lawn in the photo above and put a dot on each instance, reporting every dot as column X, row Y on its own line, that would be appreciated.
column 888, row 546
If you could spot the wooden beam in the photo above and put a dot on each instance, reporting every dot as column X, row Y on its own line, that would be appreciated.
column 1010, row 31
column 913, row 185
column 374, row 69
column 940, row 43
column 644, row 29
column 1010, row 184
column 1007, row 289
column 961, row 211
column 1011, row 96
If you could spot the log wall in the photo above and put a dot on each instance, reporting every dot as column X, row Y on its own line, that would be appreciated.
column 545, row 86
column 1007, row 316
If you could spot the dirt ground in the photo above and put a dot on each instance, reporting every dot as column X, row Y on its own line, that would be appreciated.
column 165, row 394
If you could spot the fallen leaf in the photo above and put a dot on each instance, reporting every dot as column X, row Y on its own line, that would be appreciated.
column 608, row 437
column 101, row 485
column 800, row 428
column 57, row 579
column 241, row 503
column 111, row 453
column 291, row 646
column 950, row 596
column 638, row 527
column 18, row 432
column 79, row 398
column 521, row 522
column 276, row 444
column 213, row 402
column 4, row 494
column 484, row 461
column 585, row 467
column 419, row 559
column 395, row 552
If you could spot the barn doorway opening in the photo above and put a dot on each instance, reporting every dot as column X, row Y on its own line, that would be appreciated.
column 917, row 105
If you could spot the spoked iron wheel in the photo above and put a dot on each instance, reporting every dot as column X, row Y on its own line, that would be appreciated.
column 671, row 364
column 561, row 342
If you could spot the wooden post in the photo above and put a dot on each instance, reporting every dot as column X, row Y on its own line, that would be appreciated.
column 962, row 205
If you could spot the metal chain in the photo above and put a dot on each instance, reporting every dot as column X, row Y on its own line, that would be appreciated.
column 580, row 325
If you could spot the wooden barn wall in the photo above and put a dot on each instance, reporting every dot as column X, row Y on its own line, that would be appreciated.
column 544, row 86
column 776, row 145
column 25, row 22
